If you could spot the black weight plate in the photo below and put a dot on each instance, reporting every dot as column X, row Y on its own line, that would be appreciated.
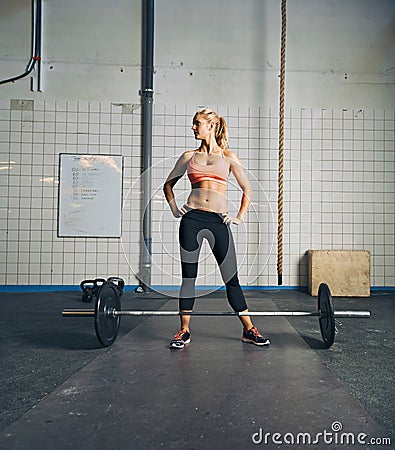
column 119, row 282
column 107, row 325
column 327, row 316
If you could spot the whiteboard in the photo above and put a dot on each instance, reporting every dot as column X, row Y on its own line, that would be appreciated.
column 90, row 195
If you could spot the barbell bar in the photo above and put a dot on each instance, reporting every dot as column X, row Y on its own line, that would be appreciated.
column 108, row 312
column 114, row 312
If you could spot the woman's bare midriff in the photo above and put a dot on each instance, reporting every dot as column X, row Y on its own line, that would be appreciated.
column 208, row 196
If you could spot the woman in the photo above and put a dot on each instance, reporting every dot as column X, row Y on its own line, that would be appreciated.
column 205, row 215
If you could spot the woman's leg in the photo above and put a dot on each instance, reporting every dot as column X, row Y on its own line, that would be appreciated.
column 224, row 251
column 186, row 300
column 190, row 245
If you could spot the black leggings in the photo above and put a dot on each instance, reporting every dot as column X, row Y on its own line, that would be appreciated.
column 196, row 225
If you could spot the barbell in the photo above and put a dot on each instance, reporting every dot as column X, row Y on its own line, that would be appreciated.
column 107, row 314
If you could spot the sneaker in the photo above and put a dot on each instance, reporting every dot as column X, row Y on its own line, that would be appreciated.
column 180, row 339
column 253, row 336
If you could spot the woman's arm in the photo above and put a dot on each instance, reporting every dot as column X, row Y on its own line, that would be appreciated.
column 176, row 173
column 242, row 180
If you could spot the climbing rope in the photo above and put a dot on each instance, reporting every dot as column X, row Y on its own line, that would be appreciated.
column 281, row 147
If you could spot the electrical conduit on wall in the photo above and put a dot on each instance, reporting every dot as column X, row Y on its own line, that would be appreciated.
column 35, row 60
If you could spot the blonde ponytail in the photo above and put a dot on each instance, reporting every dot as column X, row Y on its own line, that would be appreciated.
column 221, row 128
column 221, row 133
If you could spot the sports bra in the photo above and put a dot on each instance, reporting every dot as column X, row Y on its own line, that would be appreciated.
column 218, row 172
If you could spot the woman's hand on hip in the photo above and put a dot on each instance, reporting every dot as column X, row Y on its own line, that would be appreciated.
column 179, row 212
column 228, row 220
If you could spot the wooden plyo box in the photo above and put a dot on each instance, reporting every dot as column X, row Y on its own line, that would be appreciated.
column 346, row 272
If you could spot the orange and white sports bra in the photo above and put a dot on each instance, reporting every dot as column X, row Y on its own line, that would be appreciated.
column 218, row 172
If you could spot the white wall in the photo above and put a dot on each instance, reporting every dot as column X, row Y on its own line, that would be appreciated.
column 222, row 52
column 339, row 146
column 338, row 54
column 91, row 49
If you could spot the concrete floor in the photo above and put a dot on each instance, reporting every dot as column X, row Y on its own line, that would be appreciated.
column 61, row 390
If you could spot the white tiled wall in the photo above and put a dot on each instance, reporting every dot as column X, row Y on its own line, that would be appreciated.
column 339, row 190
